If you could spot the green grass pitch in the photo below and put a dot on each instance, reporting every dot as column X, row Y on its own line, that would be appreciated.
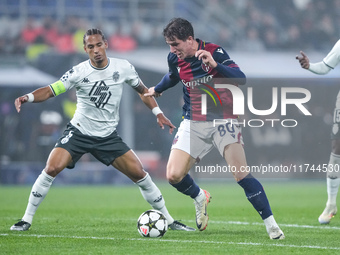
column 102, row 220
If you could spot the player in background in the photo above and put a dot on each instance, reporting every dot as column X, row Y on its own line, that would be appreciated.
column 333, row 173
column 193, row 61
column 99, row 83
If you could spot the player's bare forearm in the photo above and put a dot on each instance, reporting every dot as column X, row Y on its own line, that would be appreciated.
column 150, row 102
column 39, row 95
column 152, row 93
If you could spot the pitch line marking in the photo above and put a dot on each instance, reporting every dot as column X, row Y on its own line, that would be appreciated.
column 246, row 223
column 175, row 241
column 281, row 225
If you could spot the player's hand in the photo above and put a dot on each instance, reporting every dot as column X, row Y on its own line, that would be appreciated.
column 206, row 58
column 304, row 60
column 19, row 101
column 162, row 120
column 152, row 93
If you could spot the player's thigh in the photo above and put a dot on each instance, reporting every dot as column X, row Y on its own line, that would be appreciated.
column 178, row 166
column 130, row 165
column 336, row 146
column 335, row 132
column 235, row 156
column 58, row 159
column 193, row 139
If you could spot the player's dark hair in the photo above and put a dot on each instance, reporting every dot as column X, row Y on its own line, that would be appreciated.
column 179, row 28
column 93, row 31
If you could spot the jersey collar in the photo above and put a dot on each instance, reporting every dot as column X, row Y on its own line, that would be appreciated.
column 108, row 63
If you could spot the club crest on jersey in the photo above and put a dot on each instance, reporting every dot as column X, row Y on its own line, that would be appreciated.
column 206, row 68
column 115, row 76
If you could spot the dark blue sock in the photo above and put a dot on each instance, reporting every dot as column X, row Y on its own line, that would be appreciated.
column 187, row 186
column 256, row 195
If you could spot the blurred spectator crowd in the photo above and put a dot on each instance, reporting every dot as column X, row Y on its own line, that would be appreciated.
column 261, row 25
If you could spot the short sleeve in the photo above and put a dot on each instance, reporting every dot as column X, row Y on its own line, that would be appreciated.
column 132, row 77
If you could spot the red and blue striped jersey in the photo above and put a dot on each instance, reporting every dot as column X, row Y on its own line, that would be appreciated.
column 198, row 78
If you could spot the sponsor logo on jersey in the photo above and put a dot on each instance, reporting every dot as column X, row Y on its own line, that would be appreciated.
column 197, row 82
column 100, row 94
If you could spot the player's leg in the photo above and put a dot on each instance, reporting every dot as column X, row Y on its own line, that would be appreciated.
column 179, row 164
column 177, row 169
column 70, row 142
column 130, row 165
column 333, row 182
column 235, row 157
column 333, row 173
column 58, row 159
column 186, row 147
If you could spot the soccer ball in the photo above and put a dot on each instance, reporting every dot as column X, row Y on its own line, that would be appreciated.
column 152, row 223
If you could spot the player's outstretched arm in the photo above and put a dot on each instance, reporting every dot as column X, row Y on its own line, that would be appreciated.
column 152, row 93
column 303, row 60
column 151, row 103
column 317, row 68
column 36, row 96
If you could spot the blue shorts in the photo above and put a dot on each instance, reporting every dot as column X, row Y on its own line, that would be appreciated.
column 105, row 149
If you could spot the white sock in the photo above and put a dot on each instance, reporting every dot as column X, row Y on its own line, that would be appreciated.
column 332, row 190
column 37, row 195
column 333, row 178
column 201, row 196
column 153, row 196
column 270, row 222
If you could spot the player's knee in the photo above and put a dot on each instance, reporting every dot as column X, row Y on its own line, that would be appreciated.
column 53, row 170
column 175, row 172
column 240, row 175
column 173, row 177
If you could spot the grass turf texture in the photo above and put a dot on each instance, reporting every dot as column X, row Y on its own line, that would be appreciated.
column 102, row 220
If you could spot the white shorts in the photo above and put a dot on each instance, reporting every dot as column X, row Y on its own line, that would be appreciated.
column 197, row 138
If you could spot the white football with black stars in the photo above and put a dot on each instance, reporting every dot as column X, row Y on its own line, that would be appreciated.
column 152, row 223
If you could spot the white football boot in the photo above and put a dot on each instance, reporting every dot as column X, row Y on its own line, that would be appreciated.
column 201, row 211
column 327, row 214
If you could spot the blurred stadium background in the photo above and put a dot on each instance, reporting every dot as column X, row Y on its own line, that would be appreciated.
column 42, row 39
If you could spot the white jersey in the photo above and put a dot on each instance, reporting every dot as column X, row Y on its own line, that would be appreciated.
column 333, row 57
column 99, row 91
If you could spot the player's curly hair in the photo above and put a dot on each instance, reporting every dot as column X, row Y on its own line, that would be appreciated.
column 179, row 28
column 93, row 31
